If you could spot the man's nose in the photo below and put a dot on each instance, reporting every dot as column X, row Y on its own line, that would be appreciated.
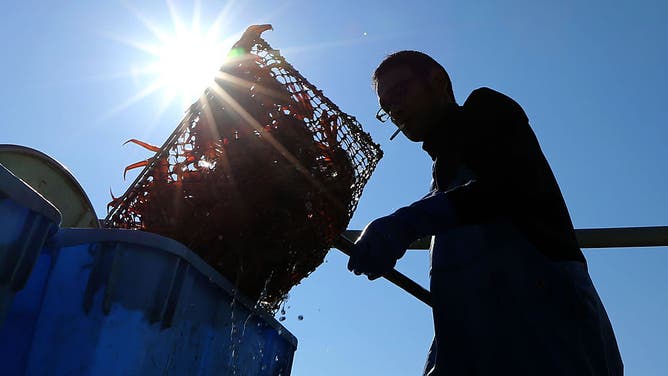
column 395, row 111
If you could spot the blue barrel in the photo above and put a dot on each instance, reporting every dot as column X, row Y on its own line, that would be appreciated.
column 26, row 220
column 125, row 302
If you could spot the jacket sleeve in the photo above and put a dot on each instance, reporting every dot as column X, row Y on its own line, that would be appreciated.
column 491, row 142
column 432, row 214
column 514, row 178
column 500, row 147
column 497, row 140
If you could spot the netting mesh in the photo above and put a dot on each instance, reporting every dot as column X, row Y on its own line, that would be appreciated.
column 259, row 178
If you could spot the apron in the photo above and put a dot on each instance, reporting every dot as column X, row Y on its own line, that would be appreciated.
column 502, row 308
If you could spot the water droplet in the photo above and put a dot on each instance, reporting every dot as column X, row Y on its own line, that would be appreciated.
column 280, row 331
column 282, row 318
column 300, row 317
column 276, row 358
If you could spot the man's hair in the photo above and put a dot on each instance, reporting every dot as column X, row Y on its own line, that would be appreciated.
column 419, row 63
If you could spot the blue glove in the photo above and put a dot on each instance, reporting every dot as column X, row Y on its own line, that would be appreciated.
column 386, row 239
column 381, row 244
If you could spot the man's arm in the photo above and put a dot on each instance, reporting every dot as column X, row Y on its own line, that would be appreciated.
column 515, row 179
column 386, row 239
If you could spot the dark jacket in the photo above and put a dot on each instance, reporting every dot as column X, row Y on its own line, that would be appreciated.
column 492, row 136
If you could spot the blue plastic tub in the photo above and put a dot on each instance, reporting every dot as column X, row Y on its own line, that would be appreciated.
column 26, row 220
column 123, row 302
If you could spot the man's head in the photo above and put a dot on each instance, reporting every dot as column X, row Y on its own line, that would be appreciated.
column 414, row 90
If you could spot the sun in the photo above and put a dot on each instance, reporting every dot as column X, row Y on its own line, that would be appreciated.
column 183, row 58
column 186, row 64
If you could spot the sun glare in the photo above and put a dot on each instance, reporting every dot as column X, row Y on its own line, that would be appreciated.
column 183, row 58
column 186, row 64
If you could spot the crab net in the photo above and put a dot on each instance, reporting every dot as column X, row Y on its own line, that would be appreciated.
column 259, row 178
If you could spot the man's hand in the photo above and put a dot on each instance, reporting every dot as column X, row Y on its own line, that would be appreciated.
column 378, row 248
column 386, row 239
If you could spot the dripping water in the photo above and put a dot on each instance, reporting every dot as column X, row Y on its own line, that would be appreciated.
column 233, row 324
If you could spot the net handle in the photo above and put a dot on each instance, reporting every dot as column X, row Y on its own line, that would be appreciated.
column 346, row 245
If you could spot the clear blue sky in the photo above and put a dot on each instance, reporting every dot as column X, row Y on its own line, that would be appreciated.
column 590, row 75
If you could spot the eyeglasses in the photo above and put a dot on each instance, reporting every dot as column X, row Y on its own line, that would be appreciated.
column 382, row 116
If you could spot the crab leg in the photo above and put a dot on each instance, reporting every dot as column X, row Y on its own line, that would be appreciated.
column 136, row 165
column 143, row 144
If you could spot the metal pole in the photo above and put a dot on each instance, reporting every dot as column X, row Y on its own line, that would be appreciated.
column 656, row 236
column 616, row 237
column 619, row 237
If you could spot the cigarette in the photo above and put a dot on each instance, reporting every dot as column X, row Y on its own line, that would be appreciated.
column 399, row 129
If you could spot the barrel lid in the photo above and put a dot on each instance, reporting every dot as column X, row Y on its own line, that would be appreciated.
column 53, row 181
column 20, row 192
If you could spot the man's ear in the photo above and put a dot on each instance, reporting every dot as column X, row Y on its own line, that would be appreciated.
column 438, row 82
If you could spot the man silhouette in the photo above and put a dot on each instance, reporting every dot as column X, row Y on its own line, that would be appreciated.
column 511, row 294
